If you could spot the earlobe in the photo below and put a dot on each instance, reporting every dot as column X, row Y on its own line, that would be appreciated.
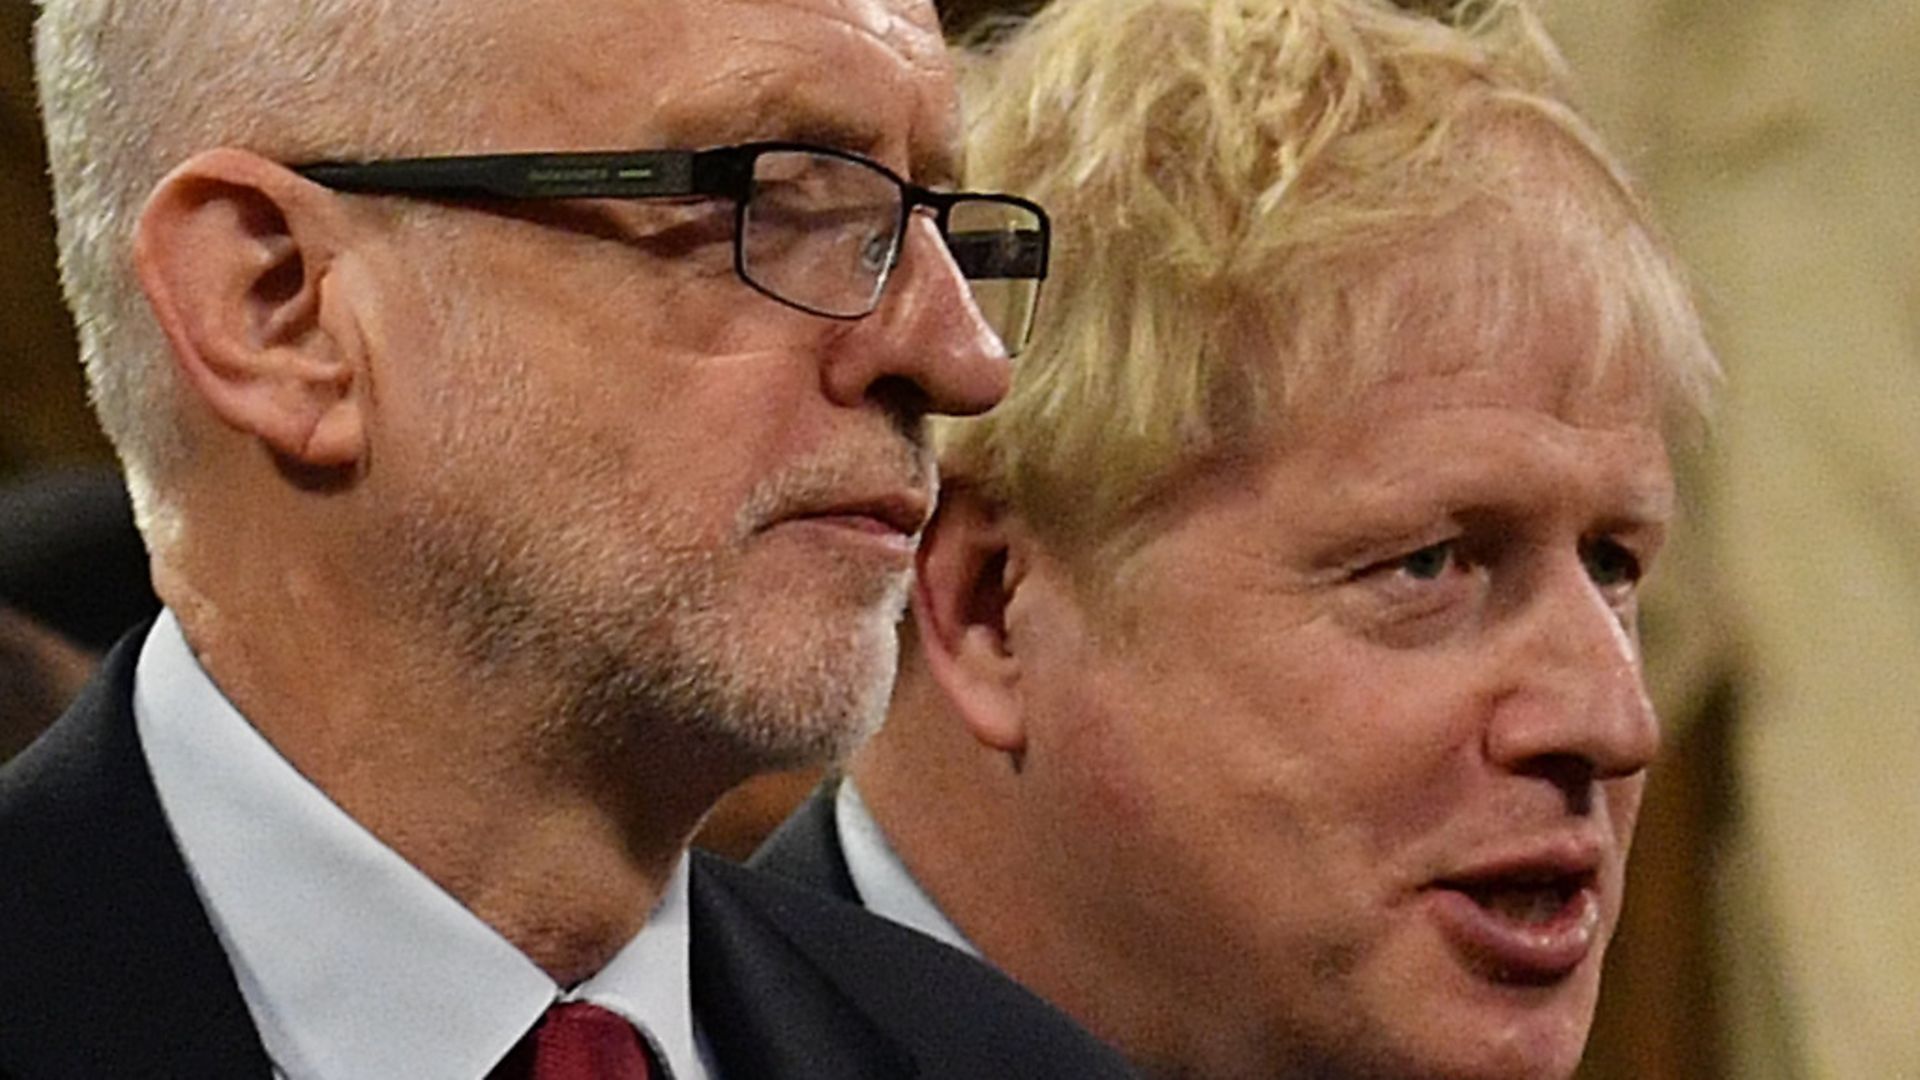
column 232, row 251
column 967, row 573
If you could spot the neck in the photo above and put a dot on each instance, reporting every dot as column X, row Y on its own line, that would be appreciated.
column 977, row 832
column 562, row 836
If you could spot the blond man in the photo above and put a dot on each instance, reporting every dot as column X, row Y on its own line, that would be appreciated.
column 1273, row 700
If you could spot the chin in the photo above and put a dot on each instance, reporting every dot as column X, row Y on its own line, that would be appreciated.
column 1479, row 1061
column 1545, row 1045
column 1471, row 1030
column 805, row 687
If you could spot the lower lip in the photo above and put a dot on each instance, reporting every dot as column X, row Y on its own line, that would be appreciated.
column 1509, row 950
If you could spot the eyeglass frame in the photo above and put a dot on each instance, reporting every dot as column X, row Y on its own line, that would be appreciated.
column 718, row 172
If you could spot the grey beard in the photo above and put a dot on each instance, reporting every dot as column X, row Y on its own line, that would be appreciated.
column 674, row 652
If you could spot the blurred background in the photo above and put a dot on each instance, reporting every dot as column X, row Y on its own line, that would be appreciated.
column 1770, row 929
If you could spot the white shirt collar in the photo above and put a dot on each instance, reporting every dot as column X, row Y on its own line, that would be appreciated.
column 352, row 962
column 885, row 885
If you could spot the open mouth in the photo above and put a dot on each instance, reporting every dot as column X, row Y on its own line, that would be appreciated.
column 1526, row 899
column 1523, row 927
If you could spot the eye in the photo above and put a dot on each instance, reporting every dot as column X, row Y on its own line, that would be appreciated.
column 1610, row 563
column 1423, row 575
column 876, row 254
column 1419, row 596
column 1429, row 563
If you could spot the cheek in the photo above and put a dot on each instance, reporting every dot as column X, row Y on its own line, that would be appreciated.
column 644, row 425
column 1338, row 739
column 639, row 359
column 1213, row 835
column 1083, row 741
column 1109, row 744
column 1623, row 805
column 1407, row 739
column 1175, row 748
column 539, row 289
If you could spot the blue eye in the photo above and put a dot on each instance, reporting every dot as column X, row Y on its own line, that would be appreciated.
column 876, row 254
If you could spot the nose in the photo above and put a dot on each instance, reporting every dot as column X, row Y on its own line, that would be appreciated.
column 927, row 334
column 1577, row 701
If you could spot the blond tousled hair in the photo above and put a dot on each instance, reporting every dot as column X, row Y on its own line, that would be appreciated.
column 1227, row 177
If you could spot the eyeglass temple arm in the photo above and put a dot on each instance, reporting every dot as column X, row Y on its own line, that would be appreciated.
column 633, row 175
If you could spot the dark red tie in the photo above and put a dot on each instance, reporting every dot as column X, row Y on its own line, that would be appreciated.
column 577, row 1041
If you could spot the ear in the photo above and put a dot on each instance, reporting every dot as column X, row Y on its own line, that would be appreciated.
column 967, row 573
column 233, row 252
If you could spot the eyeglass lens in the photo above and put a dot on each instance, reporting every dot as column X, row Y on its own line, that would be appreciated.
column 997, row 245
column 819, row 231
column 822, row 232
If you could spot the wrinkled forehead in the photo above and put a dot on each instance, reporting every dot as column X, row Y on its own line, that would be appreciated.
column 1545, row 279
column 1504, row 296
column 870, row 76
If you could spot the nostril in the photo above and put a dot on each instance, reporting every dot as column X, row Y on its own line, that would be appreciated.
column 905, row 403
column 1572, row 774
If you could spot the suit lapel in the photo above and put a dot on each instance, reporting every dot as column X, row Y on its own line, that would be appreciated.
column 108, row 964
column 767, row 1008
column 806, row 848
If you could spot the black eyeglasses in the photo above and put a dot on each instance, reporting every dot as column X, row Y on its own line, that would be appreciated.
column 815, row 228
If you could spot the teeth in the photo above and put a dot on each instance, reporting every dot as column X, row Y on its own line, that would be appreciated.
column 1530, row 905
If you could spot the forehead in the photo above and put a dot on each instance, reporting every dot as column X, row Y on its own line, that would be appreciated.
column 865, row 75
column 1520, row 239
column 1485, row 390
column 1394, row 467
column 1485, row 366
column 1491, row 434
column 1521, row 294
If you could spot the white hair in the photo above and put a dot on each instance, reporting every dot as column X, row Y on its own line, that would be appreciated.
column 131, row 88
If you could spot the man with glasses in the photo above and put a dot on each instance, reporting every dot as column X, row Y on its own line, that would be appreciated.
column 522, row 406
column 815, row 228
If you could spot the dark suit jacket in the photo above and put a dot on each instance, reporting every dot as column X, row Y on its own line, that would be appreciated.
column 109, row 966
column 806, row 848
